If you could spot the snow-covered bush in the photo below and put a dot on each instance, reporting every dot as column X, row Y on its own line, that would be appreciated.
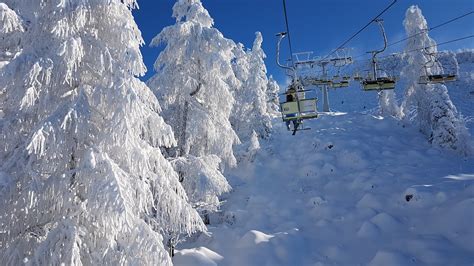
column 429, row 104
column 84, row 180
column 194, row 83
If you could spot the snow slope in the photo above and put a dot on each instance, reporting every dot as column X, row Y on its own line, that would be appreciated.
column 354, row 190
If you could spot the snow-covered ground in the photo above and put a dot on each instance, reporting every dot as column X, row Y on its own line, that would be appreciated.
column 354, row 190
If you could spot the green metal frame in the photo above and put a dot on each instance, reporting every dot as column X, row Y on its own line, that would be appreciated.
column 440, row 78
column 304, row 109
column 379, row 84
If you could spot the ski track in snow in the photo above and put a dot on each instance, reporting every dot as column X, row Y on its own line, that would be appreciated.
column 337, row 195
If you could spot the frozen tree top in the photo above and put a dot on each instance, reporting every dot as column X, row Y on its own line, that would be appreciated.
column 414, row 20
column 257, row 44
column 192, row 10
column 9, row 20
column 415, row 23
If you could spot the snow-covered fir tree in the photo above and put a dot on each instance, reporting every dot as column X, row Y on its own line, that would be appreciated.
column 429, row 104
column 84, row 180
column 194, row 82
column 250, row 116
column 250, row 111
column 272, row 97
column 11, row 29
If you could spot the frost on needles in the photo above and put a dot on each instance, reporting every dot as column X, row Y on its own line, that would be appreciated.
column 11, row 29
column 83, row 180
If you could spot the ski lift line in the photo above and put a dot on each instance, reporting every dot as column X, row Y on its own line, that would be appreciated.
column 432, row 28
column 422, row 31
column 288, row 31
column 415, row 50
column 443, row 43
column 431, row 46
column 422, row 48
column 360, row 30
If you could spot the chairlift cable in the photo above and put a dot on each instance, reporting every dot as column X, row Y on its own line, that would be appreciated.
column 288, row 32
column 452, row 20
column 431, row 46
column 442, row 43
column 432, row 28
column 362, row 29
column 421, row 32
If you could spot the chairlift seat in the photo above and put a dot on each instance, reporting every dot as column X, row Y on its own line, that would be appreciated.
column 321, row 82
column 306, row 109
column 379, row 84
column 438, row 78
column 342, row 84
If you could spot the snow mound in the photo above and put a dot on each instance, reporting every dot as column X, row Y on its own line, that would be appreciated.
column 197, row 256
column 368, row 229
column 252, row 238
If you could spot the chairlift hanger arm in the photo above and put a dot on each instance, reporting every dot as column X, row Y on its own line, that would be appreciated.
column 281, row 36
column 362, row 29
column 382, row 30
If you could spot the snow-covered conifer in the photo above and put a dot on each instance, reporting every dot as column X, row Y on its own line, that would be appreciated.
column 194, row 82
column 250, row 111
column 11, row 29
column 84, row 178
column 429, row 104
column 272, row 97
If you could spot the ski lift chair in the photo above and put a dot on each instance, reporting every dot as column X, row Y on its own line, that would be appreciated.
column 374, row 82
column 435, row 78
column 297, row 107
column 357, row 77
column 341, row 84
column 384, row 83
column 342, row 81
column 439, row 78
column 318, row 81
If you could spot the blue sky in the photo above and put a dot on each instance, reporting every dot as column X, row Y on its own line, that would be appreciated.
column 315, row 25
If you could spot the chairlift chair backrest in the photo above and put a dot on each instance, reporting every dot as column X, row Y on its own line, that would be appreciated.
column 298, row 107
column 435, row 78
column 378, row 83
